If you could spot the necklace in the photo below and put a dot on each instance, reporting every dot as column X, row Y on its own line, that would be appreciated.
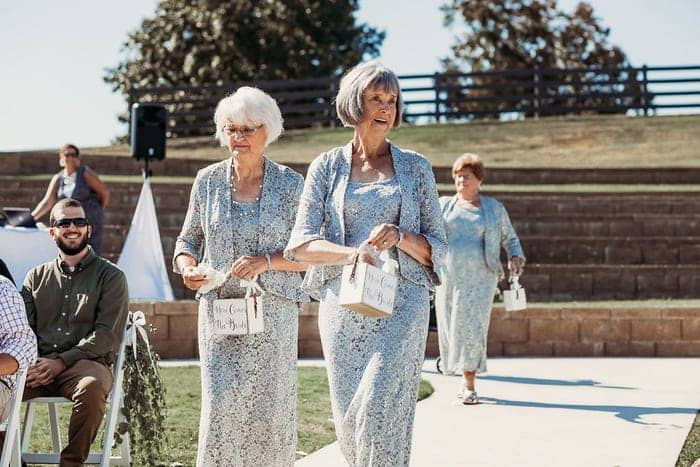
column 240, row 204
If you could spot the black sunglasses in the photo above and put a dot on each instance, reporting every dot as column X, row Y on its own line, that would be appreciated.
column 67, row 221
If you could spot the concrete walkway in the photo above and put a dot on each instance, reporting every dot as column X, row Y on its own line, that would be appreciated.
column 593, row 412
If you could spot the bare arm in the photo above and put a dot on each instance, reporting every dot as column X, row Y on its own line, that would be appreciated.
column 385, row 236
column 279, row 263
column 8, row 364
column 417, row 247
column 323, row 252
column 48, row 200
column 96, row 185
column 247, row 267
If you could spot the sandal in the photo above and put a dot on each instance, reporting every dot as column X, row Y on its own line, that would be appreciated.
column 470, row 398
column 462, row 389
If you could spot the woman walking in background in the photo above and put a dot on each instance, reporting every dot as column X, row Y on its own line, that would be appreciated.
column 240, row 216
column 370, row 190
column 477, row 227
column 78, row 182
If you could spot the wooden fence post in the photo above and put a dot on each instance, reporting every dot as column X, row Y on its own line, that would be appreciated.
column 437, row 97
column 645, row 92
column 129, row 103
column 537, row 81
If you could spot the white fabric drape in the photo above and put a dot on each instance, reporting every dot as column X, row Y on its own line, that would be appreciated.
column 141, row 258
column 22, row 248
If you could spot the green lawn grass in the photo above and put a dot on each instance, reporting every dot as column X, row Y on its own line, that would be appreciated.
column 315, row 428
column 590, row 141
column 691, row 448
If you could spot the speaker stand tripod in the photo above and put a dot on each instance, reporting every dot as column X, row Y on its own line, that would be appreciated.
column 147, row 173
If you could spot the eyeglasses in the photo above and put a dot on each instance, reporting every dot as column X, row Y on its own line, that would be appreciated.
column 69, row 154
column 245, row 131
column 67, row 221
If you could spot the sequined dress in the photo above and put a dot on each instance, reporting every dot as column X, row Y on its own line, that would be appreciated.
column 464, row 300
column 248, row 415
column 374, row 364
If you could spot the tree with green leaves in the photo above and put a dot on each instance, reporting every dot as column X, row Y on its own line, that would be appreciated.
column 524, row 35
column 214, row 42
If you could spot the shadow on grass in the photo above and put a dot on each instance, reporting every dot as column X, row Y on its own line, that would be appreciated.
column 631, row 414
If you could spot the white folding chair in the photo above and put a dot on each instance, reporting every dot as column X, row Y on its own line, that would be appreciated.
column 11, row 449
column 114, row 417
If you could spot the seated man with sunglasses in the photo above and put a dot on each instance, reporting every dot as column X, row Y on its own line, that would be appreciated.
column 77, row 306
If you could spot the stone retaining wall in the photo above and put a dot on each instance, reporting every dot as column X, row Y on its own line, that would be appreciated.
column 540, row 331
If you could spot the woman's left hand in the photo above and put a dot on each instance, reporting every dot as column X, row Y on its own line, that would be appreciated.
column 247, row 267
column 516, row 265
column 384, row 236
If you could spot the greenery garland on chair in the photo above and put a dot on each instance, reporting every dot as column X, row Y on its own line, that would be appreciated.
column 144, row 397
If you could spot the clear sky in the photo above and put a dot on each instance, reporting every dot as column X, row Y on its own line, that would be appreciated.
column 53, row 55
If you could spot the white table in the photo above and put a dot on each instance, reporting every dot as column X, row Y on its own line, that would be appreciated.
column 22, row 249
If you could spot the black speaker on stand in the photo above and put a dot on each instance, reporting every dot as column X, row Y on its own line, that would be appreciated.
column 148, row 127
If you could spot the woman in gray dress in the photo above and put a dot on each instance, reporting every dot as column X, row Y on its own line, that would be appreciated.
column 78, row 182
column 370, row 190
column 239, row 219
column 477, row 227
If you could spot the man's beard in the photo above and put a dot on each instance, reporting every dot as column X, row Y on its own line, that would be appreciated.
column 70, row 251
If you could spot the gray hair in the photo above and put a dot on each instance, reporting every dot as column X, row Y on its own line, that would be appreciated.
column 250, row 107
column 348, row 102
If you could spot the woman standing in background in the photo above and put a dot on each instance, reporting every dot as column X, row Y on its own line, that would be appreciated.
column 477, row 227
column 78, row 182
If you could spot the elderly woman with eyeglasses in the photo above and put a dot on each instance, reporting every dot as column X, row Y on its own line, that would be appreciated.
column 239, row 219
column 371, row 191
column 477, row 228
column 78, row 182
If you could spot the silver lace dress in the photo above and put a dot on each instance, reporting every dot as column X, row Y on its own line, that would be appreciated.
column 248, row 415
column 464, row 300
column 374, row 364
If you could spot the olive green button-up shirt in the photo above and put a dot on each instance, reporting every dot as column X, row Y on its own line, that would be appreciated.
column 77, row 313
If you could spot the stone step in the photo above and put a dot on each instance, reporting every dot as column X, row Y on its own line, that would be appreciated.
column 573, row 282
column 567, row 282
column 611, row 250
column 36, row 162
column 519, row 204
column 538, row 249
column 546, row 250
column 602, row 225
column 569, row 204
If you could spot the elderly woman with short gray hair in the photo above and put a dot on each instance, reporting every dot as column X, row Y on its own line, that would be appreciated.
column 370, row 191
column 477, row 228
column 240, row 216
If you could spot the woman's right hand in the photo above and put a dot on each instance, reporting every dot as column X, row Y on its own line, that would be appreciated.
column 364, row 255
column 192, row 279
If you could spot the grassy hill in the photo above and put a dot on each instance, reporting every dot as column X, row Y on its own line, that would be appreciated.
column 595, row 142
